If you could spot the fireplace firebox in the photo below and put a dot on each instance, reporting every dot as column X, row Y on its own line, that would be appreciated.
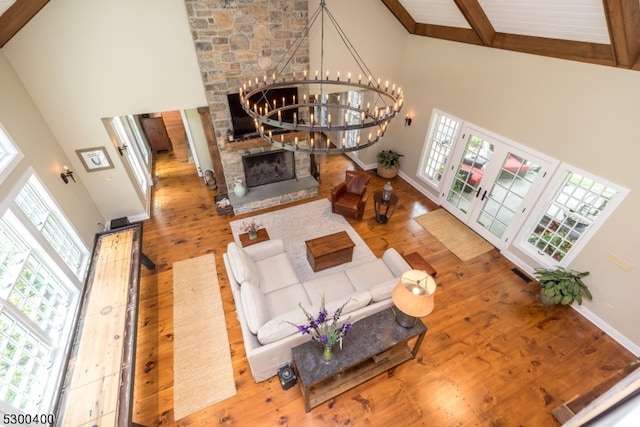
column 269, row 167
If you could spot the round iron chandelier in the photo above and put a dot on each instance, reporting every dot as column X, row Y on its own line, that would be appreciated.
column 327, row 114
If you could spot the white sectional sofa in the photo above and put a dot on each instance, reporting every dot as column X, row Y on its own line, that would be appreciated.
column 266, row 292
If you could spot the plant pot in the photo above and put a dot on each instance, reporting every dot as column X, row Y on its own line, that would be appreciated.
column 387, row 173
column 545, row 300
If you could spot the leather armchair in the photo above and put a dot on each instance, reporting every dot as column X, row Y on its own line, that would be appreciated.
column 350, row 197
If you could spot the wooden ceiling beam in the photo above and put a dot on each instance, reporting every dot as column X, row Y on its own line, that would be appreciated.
column 594, row 53
column 462, row 35
column 475, row 16
column 14, row 18
column 401, row 15
column 623, row 20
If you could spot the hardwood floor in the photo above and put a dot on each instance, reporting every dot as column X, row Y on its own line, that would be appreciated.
column 493, row 356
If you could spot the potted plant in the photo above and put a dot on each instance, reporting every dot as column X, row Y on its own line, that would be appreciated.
column 561, row 286
column 388, row 163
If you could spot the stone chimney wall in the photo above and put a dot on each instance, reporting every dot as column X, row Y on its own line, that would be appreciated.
column 238, row 40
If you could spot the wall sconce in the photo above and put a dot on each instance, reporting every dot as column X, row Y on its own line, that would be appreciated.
column 66, row 175
column 407, row 120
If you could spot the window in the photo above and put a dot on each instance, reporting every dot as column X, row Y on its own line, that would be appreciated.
column 9, row 154
column 41, row 211
column 42, row 265
column 126, row 145
column 438, row 145
column 36, row 313
column 140, row 141
column 579, row 204
column 352, row 137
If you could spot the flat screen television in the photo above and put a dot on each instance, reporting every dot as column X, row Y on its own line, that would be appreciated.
column 243, row 125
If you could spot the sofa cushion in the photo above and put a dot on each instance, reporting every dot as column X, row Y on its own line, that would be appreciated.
column 383, row 291
column 276, row 273
column 243, row 267
column 333, row 286
column 254, row 306
column 395, row 262
column 353, row 302
column 279, row 327
column 286, row 299
column 368, row 275
column 356, row 182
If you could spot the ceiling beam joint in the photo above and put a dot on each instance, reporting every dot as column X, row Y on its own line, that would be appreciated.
column 478, row 20
column 623, row 20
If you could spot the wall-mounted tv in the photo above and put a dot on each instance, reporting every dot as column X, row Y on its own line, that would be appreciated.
column 243, row 125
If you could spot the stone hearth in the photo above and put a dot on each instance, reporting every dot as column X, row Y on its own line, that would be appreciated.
column 274, row 194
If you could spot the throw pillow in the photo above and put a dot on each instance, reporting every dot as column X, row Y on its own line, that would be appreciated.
column 254, row 306
column 243, row 267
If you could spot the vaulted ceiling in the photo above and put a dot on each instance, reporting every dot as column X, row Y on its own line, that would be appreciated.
column 605, row 32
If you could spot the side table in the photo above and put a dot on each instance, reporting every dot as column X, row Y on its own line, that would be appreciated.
column 383, row 215
column 375, row 344
column 415, row 260
column 246, row 241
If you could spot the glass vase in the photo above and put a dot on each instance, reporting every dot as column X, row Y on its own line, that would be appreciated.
column 327, row 354
column 253, row 235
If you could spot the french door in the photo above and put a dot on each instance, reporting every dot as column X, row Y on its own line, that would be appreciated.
column 490, row 184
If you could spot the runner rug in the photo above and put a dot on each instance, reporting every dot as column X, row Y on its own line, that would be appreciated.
column 457, row 237
column 202, row 370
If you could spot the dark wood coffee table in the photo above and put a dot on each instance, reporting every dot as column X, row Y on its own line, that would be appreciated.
column 329, row 251
column 375, row 344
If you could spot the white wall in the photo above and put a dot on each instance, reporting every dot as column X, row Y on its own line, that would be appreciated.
column 22, row 120
column 82, row 60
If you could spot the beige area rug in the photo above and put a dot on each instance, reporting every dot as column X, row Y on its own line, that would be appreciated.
column 457, row 237
column 202, row 370
column 298, row 223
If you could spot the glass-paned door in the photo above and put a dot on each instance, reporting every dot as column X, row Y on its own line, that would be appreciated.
column 489, row 185
column 504, row 201
column 463, row 183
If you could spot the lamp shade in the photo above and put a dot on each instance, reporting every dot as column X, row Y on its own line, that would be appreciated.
column 414, row 295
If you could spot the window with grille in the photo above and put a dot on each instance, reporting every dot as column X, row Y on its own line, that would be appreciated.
column 570, row 216
column 438, row 145
column 9, row 154
column 42, row 212
column 36, row 313
column 351, row 138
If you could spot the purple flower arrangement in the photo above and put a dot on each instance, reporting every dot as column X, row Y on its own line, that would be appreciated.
column 323, row 328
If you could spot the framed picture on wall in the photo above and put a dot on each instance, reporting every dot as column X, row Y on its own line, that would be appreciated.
column 95, row 159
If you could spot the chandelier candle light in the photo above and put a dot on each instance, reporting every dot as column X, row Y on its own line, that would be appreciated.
column 322, row 112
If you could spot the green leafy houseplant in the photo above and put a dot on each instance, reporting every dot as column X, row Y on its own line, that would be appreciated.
column 388, row 163
column 389, row 158
column 561, row 286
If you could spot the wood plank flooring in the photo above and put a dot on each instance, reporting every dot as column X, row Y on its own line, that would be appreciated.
column 493, row 356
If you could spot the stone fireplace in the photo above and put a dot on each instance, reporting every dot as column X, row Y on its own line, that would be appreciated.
column 267, row 168
column 236, row 41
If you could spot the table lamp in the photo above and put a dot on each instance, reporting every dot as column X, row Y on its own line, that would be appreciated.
column 413, row 297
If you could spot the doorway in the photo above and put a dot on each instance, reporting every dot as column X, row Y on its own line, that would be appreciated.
column 491, row 184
